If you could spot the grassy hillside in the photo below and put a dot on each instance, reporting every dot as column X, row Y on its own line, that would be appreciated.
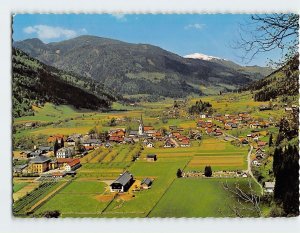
column 282, row 83
column 35, row 84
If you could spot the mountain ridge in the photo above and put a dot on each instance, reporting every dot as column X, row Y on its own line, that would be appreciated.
column 132, row 69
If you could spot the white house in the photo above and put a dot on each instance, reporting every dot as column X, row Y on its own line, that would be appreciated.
column 65, row 152
column 269, row 187
column 202, row 115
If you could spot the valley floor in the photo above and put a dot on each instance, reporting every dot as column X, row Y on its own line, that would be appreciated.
column 194, row 195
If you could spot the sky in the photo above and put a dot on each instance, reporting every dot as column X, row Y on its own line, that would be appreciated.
column 213, row 35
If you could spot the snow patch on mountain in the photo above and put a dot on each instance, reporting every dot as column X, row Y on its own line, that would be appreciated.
column 202, row 57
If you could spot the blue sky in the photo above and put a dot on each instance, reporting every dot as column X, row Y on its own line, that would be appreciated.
column 182, row 34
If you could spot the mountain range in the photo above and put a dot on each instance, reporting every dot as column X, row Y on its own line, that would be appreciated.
column 134, row 69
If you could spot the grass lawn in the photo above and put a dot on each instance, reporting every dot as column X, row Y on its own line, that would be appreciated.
column 79, row 197
column 198, row 198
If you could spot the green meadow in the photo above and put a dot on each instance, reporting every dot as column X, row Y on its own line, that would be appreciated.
column 199, row 198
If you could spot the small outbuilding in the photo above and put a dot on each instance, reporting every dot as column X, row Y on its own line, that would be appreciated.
column 146, row 183
column 151, row 157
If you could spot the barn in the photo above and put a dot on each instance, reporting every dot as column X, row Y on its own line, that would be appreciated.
column 122, row 183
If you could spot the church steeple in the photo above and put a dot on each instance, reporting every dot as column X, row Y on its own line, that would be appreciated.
column 141, row 126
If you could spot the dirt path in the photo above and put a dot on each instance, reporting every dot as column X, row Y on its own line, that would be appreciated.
column 47, row 196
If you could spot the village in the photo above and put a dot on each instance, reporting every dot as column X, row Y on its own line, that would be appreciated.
column 61, row 154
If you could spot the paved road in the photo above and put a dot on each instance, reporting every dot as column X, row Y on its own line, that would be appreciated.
column 249, row 171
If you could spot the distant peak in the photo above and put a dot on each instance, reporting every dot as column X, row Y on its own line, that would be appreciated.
column 35, row 40
column 202, row 57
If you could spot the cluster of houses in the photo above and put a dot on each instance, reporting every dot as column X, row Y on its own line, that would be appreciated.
column 234, row 121
column 56, row 167
column 148, row 135
column 259, row 156
column 209, row 128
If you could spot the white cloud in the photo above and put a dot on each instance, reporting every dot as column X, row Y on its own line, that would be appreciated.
column 119, row 17
column 197, row 26
column 45, row 32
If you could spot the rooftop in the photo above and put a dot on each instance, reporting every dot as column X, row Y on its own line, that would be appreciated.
column 124, row 178
column 40, row 159
column 147, row 181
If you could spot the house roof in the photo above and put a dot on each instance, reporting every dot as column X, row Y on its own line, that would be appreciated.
column 133, row 132
column 147, row 181
column 64, row 160
column 123, row 179
column 74, row 162
column 93, row 141
column 46, row 148
column 40, row 159
column 146, row 128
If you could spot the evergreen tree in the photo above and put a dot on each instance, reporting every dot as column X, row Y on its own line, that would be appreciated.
column 208, row 171
column 179, row 173
column 55, row 147
column 62, row 143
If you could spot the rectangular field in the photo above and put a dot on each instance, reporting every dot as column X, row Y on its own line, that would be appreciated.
column 199, row 198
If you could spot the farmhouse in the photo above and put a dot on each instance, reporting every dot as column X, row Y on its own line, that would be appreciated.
column 151, row 157
column 146, row 183
column 122, row 183
column 65, row 152
column 72, row 165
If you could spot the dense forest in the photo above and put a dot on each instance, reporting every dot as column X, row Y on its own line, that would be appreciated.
column 286, row 166
column 34, row 83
